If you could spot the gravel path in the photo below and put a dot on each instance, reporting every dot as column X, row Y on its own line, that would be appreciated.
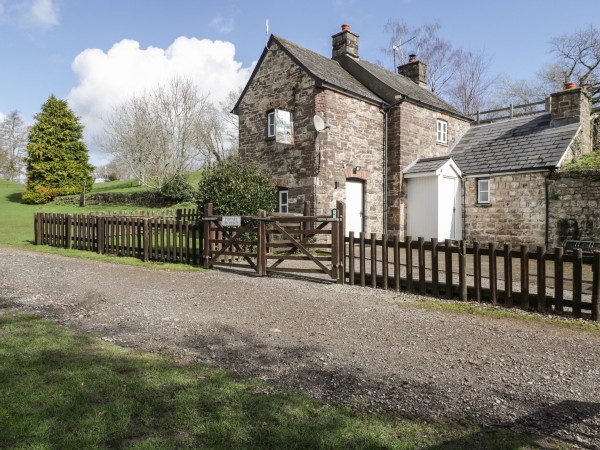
column 344, row 343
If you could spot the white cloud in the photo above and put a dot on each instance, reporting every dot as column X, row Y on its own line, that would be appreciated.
column 37, row 15
column 222, row 25
column 43, row 13
column 106, row 79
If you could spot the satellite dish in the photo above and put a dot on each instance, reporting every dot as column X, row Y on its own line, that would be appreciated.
column 317, row 125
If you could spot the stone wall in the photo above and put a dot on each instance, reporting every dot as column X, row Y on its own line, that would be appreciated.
column 412, row 134
column 574, row 206
column 516, row 212
column 280, row 83
column 355, row 138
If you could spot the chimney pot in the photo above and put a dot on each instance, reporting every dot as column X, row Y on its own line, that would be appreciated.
column 345, row 27
column 412, row 58
column 570, row 85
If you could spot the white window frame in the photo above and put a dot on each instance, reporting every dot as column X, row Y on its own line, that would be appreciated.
column 271, row 124
column 481, row 190
column 441, row 131
column 284, row 206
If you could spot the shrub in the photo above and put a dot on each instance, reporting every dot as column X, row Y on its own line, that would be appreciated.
column 38, row 194
column 237, row 187
column 178, row 190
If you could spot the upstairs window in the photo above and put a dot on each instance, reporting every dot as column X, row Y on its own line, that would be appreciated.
column 280, row 126
column 442, row 131
column 283, row 201
column 483, row 191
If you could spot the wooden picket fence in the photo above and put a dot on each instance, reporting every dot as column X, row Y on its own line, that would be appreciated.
column 546, row 281
column 148, row 238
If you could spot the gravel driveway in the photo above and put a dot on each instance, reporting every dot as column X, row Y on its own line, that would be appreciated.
column 352, row 344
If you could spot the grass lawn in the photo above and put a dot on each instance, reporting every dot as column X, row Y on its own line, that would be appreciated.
column 62, row 389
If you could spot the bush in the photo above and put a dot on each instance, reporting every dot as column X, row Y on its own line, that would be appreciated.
column 38, row 195
column 237, row 187
column 178, row 190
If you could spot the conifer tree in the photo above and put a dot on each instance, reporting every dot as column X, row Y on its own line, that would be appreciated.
column 57, row 161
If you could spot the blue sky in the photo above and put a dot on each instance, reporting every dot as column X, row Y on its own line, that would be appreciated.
column 95, row 53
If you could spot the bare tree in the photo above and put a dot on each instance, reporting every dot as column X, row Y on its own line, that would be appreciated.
column 163, row 133
column 13, row 140
column 577, row 56
column 439, row 55
column 472, row 83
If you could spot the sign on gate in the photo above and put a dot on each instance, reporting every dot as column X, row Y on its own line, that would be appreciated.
column 232, row 221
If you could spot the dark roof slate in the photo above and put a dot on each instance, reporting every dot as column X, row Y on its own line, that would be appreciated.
column 405, row 86
column 512, row 145
column 327, row 70
column 427, row 165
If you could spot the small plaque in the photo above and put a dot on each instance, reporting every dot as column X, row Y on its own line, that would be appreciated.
column 232, row 221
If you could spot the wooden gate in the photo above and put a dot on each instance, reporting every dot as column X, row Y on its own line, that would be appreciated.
column 279, row 243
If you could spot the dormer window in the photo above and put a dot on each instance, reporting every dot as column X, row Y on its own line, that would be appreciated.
column 280, row 126
column 442, row 131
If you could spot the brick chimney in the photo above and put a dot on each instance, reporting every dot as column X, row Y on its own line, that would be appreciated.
column 345, row 43
column 572, row 105
column 415, row 70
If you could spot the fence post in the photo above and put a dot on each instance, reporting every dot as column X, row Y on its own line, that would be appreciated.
column 373, row 260
column 435, row 281
column 559, row 253
column 351, row 258
column 397, row 263
column 341, row 207
column 422, row 287
column 508, row 301
column 577, row 272
column 596, row 287
column 384, row 260
column 262, row 244
column 69, row 231
column 541, row 279
column 462, row 271
column 361, row 259
column 493, row 273
column 36, row 228
column 448, row 266
column 409, row 266
column 477, row 270
column 334, row 251
column 525, row 277
column 146, row 240
column 208, row 211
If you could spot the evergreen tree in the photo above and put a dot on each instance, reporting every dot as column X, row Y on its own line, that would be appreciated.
column 57, row 161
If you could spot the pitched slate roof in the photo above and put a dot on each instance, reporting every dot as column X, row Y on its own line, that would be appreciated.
column 512, row 145
column 326, row 70
column 426, row 165
column 402, row 85
column 349, row 78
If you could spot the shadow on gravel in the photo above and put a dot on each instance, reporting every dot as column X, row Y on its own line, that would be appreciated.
column 249, row 272
column 573, row 422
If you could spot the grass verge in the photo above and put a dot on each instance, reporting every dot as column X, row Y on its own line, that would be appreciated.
column 497, row 312
column 16, row 224
column 62, row 389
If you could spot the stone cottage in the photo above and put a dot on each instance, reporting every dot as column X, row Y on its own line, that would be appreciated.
column 376, row 122
column 402, row 159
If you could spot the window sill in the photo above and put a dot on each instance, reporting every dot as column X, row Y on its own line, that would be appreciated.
column 483, row 205
column 444, row 144
column 270, row 138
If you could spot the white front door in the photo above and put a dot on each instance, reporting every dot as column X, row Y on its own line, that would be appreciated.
column 354, row 207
